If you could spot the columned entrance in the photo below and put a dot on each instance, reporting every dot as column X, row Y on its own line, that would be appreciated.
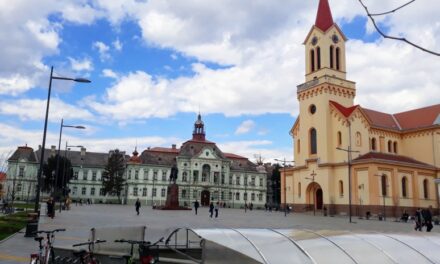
column 205, row 198
column 314, row 198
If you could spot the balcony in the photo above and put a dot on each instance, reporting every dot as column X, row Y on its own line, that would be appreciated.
column 326, row 79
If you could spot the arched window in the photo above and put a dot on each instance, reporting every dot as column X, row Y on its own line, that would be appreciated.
column 298, row 145
column 425, row 189
column 390, row 146
column 312, row 60
column 339, row 138
column 184, row 176
column 206, row 172
column 338, row 59
column 318, row 57
column 358, row 139
column 313, row 142
column 395, row 147
column 299, row 189
column 237, row 196
column 341, row 188
column 383, row 179
column 373, row 144
column 331, row 57
column 404, row 186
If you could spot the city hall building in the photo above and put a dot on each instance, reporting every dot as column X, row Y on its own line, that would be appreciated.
column 205, row 173
column 391, row 161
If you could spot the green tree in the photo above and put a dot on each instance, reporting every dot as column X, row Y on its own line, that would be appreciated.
column 113, row 176
column 65, row 173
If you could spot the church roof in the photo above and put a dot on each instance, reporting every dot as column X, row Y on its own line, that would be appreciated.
column 24, row 152
column 346, row 111
column 379, row 156
column 324, row 18
column 233, row 156
column 165, row 150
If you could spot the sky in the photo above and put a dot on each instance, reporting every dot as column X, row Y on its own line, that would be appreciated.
column 154, row 64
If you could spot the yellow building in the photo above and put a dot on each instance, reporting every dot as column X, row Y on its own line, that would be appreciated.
column 391, row 160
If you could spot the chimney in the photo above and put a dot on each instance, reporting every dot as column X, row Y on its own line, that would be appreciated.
column 173, row 146
column 83, row 152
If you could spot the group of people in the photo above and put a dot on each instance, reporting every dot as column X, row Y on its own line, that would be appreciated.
column 212, row 208
column 423, row 218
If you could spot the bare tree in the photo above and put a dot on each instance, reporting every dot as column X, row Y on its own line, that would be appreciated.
column 259, row 159
column 380, row 31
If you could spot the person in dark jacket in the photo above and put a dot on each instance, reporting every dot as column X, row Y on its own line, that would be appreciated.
column 427, row 217
column 137, row 205
column 211, row 209
column 50, row 207
column 196, row 205
column 418, row 220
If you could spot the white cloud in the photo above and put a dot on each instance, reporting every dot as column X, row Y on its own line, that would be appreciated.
column 109, row 74
column 117, row 45
column 245, row 127
column 81, row 65
column 103, row 50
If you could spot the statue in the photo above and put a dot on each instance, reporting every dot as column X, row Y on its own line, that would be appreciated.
column 173, row 174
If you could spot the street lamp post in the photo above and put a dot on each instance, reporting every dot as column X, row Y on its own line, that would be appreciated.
column 40, row 169
column 64, row 170
column 285, row 183
column 313, row 175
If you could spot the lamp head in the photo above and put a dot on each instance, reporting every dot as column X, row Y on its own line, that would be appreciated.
column 82, row 80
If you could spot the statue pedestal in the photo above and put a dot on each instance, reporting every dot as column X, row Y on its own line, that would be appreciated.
column 172, row 202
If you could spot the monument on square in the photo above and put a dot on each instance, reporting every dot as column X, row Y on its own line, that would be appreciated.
column 172, row 202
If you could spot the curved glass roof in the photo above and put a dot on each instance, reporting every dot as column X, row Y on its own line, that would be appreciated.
column 306, row 246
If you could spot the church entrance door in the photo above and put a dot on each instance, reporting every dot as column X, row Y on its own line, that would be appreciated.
column 319, row 199
column 205, row 198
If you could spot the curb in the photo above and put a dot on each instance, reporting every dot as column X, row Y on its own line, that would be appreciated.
column 21, row 231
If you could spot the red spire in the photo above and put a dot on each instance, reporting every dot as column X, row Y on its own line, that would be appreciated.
column 324, row 19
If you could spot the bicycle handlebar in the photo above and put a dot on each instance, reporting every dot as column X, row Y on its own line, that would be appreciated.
column 139, row 242
column 49, row 231
column 89, row 243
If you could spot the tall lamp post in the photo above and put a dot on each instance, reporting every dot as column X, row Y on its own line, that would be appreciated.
column 57, row 170
column 40, row 169
column 64, row 170
column 285, row 183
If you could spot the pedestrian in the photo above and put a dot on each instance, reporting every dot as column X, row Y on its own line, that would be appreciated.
column 418, row 220
column 265, row 207
column 427, row 217
column 50, row 208
column 196, row 206
column 216, row 210
column 211, row 209
column 137, row 205
column 251, row 206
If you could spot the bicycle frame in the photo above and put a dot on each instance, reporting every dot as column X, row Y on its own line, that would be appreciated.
column 87, row 257
column 45, row 252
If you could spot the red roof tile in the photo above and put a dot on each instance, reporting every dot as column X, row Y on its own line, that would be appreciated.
column 417, row 118
column 346, row 111
column 166, row 150
column 324, row 19
column 391, row 157
column 2, row 176
column 381, row 119
column 233, row 156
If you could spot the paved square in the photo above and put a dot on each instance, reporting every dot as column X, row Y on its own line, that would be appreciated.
column 80, row 219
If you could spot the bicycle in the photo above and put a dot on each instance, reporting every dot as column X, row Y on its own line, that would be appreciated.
column 45, row 253
column 87, row 257
column 148, row 253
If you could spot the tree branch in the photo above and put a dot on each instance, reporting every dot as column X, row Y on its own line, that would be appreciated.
column 371, row 16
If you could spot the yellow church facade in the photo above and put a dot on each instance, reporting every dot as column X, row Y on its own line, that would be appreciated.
column 390, row 161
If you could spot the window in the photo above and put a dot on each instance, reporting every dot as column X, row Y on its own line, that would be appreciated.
column 384, row 185
column 230, row 196
column 404, row 186
column 260, row 197
column 245, row 196
column 154, row 192
column 196, row 176
column 339, row 138
column 252, row 196
column 373, row 144
column 237, row 196
column 136, row 175
column 74, row 190
column 184, row 176
column 252, row 181
column 92, row 191
column 245, row 181
column 206, row 171
column 19, row 187
column 299, row 189
column 101, row 192
column 425, row 189
column 230, row 179
column 85, row 176
column 135, row 191
column 358, row 139
column 261, row 181
column 341, row 188
column 312, row 109
column 331, row 56
column 195, row 194
column 237, row 180
column 94, row 176
column 298, row 146
column 390, row 146
column 154, row 175
column 222, row 195
column 144, row 191
column 216, row 177
column 129, row 175
column 83, row 190
column 164, row 176
column 183, row 193
column 75, row 175
column 223, row 178
column 21, row 172
column 312, row 60
column 162, row 192
column 395, row 147
column 337, row 59
column 318, row 56
column 145, row 175
column 313, row 143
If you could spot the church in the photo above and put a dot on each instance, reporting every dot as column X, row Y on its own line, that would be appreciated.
column 346, row 154
column 205, row 173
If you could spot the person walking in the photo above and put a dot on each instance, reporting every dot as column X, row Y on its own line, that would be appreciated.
column 196, row 206
column 137, row 205
column 50, row 208
column 427, row 217
column 216, row 210
column 418, row 220
column 211, row 209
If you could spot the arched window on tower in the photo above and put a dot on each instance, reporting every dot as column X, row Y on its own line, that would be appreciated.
column 425, row 189
column 339, row 139
column 318, row 57
column 373, row 144
column 395, row 147
column 358, row 139
column 404, row 186
column 299, row 189
column 298, row 145
column 331, row 57
column 383, row 179
column 341, row 188
column 390, row 146
column 338, row 55
column 313, row 141
column 312, row 61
